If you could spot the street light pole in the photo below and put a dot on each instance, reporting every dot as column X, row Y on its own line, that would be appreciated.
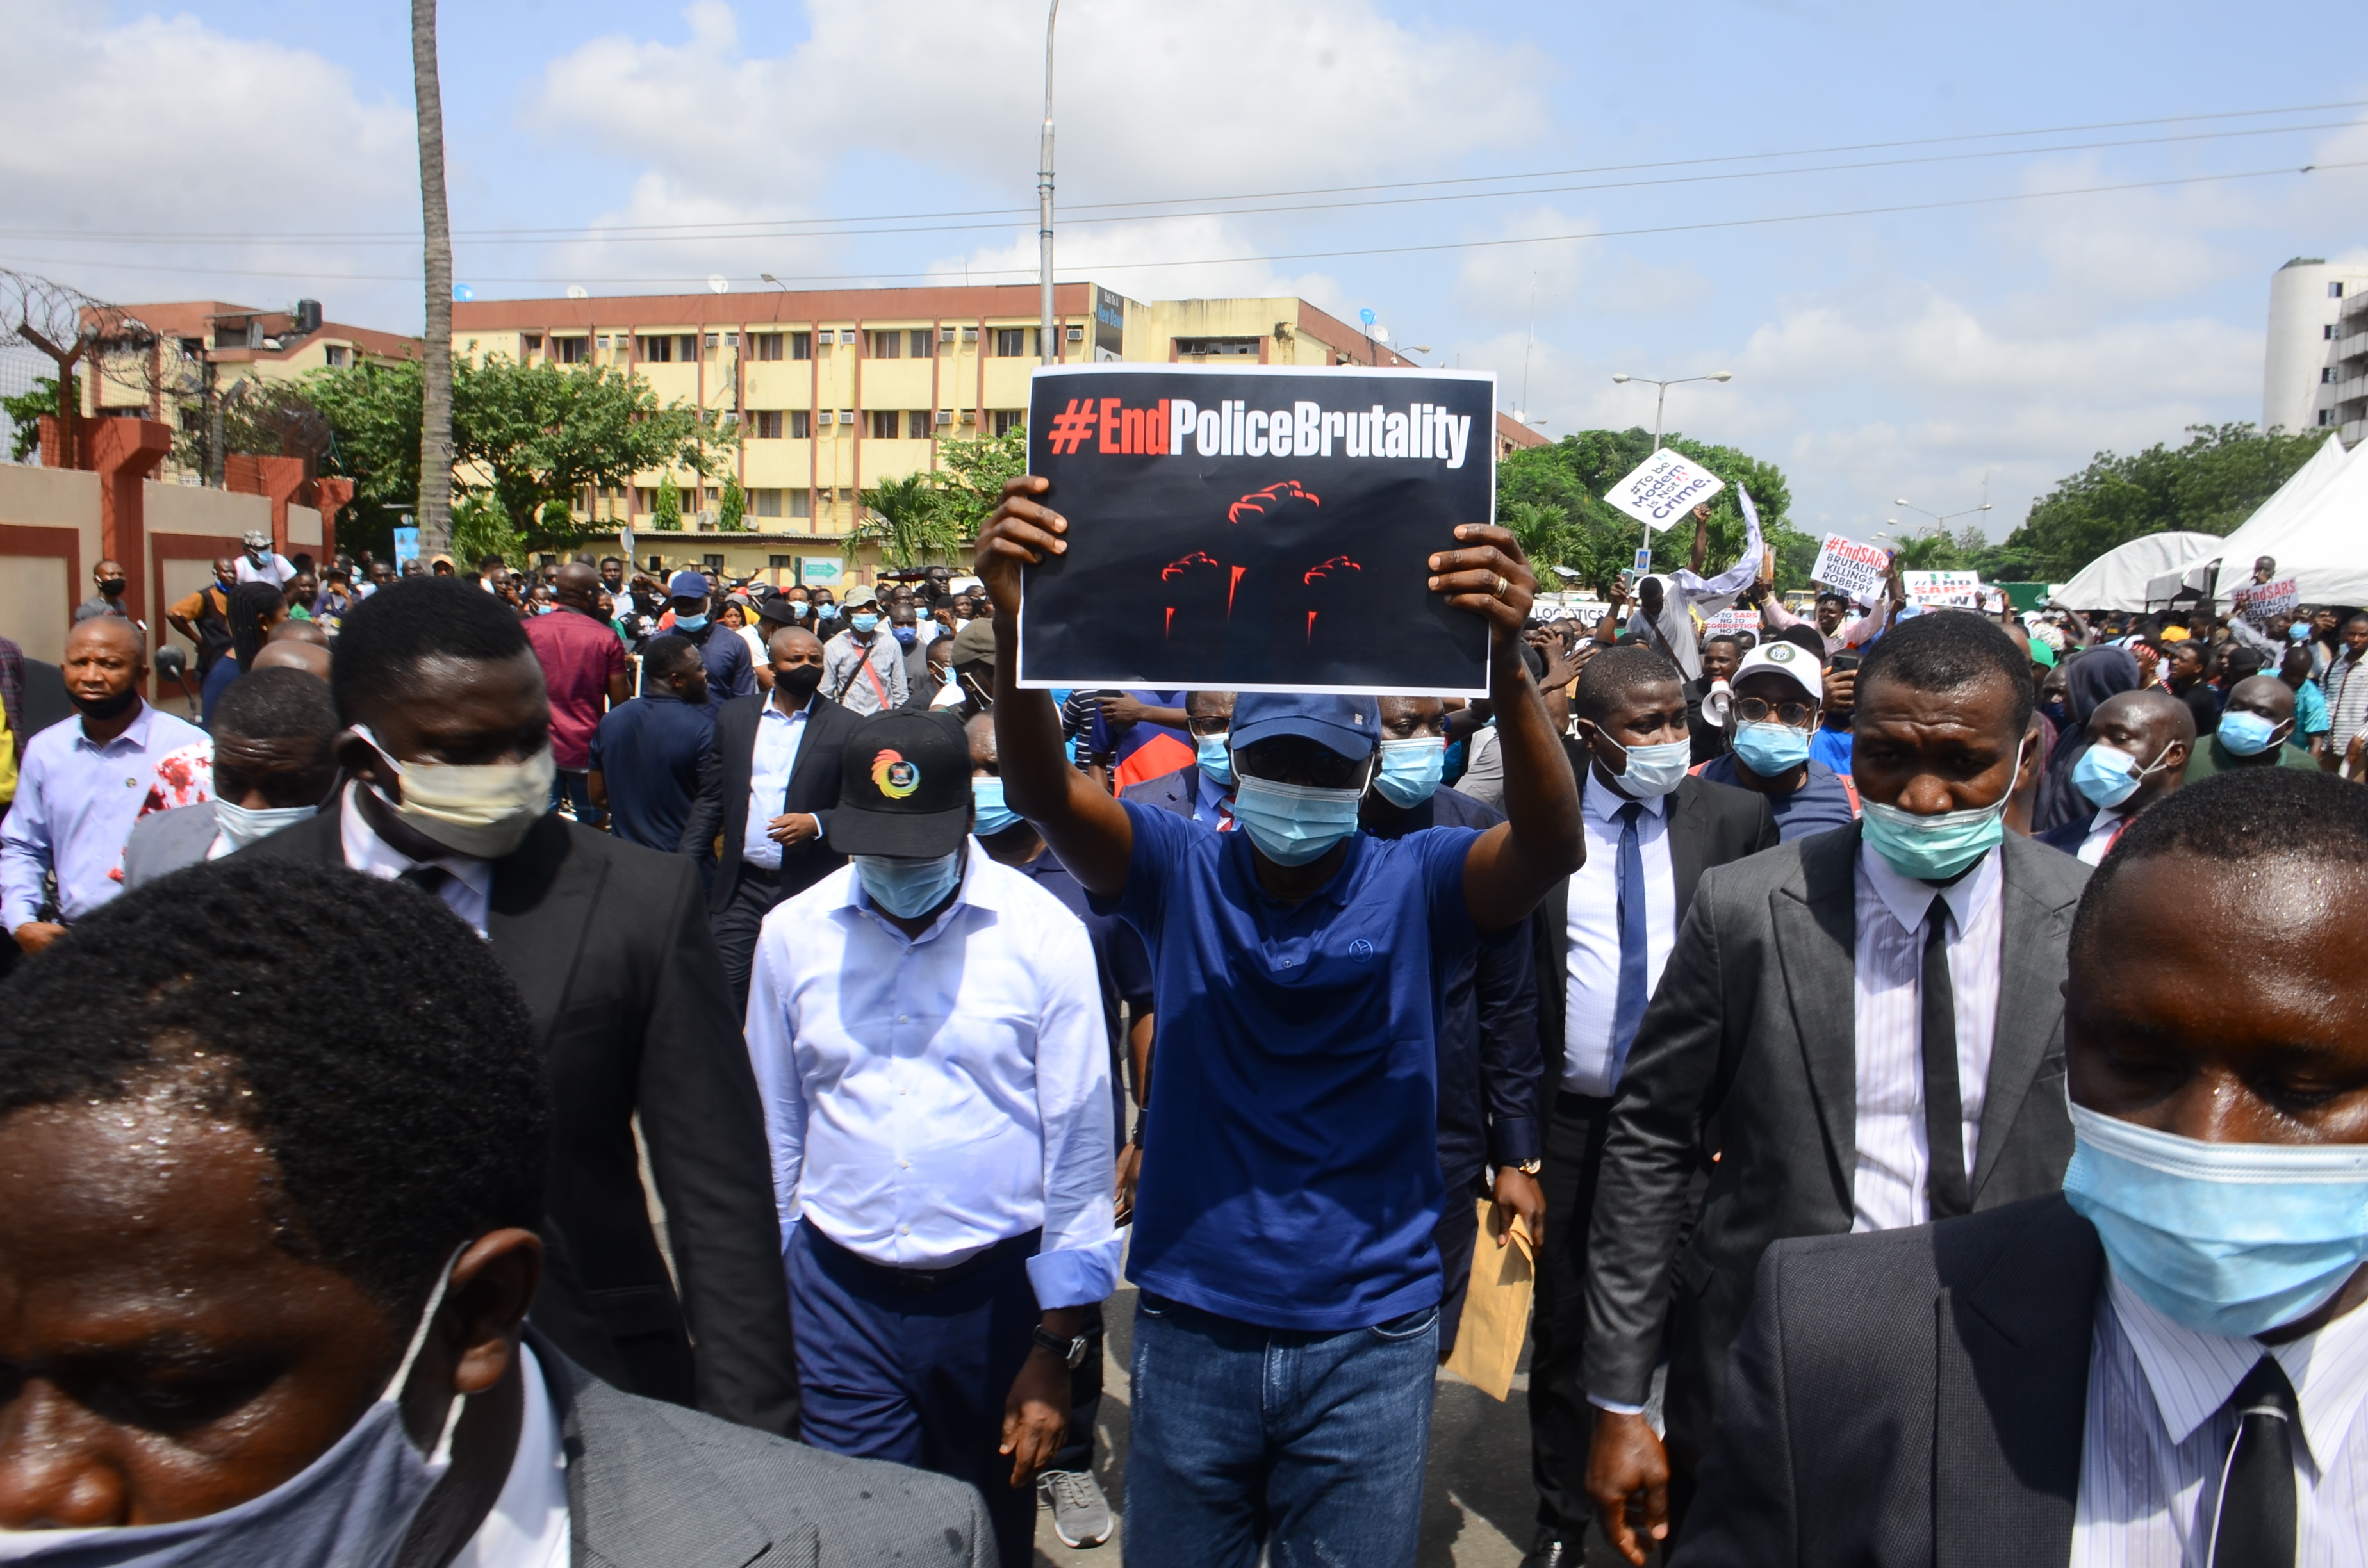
column 1660, row 406
column 1044, row 198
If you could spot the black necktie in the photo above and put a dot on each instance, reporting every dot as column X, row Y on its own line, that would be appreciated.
column 2256, row 1527
column 1944, row 1107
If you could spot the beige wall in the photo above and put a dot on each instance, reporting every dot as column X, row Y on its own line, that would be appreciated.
column 33, row 589
column 32, row 594
column 303, row 528
column 190, row 509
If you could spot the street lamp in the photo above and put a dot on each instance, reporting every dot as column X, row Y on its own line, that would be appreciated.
column 1941, row 522
column 1044, row 198
column 774, row 281
column 1660, row 403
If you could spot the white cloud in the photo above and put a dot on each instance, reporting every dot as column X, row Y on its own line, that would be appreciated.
column 169, row 126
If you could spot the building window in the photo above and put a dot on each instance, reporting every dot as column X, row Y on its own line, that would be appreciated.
column 801, row 502
column 2328, row 332
column 657, row 351
column 529, row 343
column 801, row 425
column 779, row 563
column 916, row 424
column 714, row 561
column 801, row 346
column 568, row 350
column 645, row 500
column 337, row 356
column 886, row 344
column 1013, row 342
column 687, row 348
column 1225, row 346
column 1006, row 418
column 767, row 421
column 765, row 344
column 193, row 349
column 2326, row 416
column 923, row 347
column 883, row 424
column 2335, row 290
column 767, row 503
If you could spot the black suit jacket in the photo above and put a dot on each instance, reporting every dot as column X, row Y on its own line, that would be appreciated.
column 1709, row 824
column 1755, row 1021
column 1874, row 1364
column 723, row 793
column 610, row 949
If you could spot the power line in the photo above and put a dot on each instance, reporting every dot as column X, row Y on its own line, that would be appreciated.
column 1333, row 254
column 822, row 228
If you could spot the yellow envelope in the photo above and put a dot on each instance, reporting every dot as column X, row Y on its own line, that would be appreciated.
column 1496, row 1313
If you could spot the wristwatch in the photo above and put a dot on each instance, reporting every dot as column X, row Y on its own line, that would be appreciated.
column 1530, row 1167
column 1072, row 1352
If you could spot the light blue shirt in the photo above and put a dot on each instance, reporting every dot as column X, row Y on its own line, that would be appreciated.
column 927, row 1099
column 76, row 804
column 778, row 736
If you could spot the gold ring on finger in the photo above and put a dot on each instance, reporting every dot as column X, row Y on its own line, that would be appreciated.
column 1502, row 584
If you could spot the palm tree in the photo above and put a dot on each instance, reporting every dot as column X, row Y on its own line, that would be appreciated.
column 435, row 510
column 909, row 521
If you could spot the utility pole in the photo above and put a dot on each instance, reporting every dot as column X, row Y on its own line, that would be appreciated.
column 1044, row 199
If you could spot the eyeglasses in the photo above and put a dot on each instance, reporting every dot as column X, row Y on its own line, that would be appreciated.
column 1217, row 726
column 1752, row 711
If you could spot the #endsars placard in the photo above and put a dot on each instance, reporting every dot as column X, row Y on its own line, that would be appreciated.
column 1256, row 529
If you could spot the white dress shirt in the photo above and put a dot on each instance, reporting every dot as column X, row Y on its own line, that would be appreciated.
column 1887, row 1188
column 1592, row 983
column 2157, row 1433
column 2103, row 828
column 467, row 892
column 527, row 1526
column 778, row 736
column 927, row 1099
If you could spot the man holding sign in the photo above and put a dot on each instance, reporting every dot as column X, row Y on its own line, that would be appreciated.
column 1287, row 1334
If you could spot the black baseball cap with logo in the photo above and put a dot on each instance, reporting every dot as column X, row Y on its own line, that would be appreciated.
column 903, row 787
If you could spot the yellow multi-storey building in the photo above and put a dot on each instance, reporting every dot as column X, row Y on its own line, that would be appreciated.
column 838, row 389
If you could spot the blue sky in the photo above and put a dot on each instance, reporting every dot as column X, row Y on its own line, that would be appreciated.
column 1909, row 354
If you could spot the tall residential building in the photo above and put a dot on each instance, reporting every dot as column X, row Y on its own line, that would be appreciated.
column 838, row 389
column 2308, row 358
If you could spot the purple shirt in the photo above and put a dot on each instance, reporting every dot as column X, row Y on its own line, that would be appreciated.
column 578, row 655
column 76, row 804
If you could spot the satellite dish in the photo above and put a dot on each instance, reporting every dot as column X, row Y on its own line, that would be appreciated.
column 1380, row 334
column 463, row 292
column 577, row 291
column 718, row 283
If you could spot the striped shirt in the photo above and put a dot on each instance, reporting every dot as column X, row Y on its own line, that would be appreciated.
column 2346, row 686
column 2158, row 1429
column 1888, row 1188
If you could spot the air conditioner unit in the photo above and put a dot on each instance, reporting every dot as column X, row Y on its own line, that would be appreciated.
column 846, row 335
column 847, row 417
column 970, row 416
column 945, row 335
column 945, row 417
column 1077, row 335
column 709, row 341
column 970, row 334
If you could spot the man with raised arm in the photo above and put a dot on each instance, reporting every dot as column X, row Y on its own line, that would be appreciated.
column 1286, row 1340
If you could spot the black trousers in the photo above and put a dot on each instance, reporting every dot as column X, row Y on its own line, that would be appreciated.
column 1561, row 1421
column 753, row 897
column 1457, row 1236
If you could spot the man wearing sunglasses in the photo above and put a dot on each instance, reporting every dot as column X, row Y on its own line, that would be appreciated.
column 1777, row 692
column 1287, row 1332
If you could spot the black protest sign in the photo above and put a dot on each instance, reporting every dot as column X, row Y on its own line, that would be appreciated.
column 1256, row 529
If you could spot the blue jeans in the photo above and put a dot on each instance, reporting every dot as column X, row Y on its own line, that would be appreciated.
column 573, row 785
column 1309, row 1444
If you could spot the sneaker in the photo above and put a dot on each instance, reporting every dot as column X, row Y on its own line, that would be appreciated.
column 1081, row 1515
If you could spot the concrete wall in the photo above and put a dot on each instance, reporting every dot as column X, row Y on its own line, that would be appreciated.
column 189, row 528
column 49, row 542
column 187, row 509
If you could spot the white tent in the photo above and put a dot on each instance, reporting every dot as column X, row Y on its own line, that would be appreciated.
column 2316, row 526
column 2119, row 578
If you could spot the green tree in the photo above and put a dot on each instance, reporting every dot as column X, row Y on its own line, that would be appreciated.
column 913, row 521
column 1552, row 498
column 666, row 513
column 479, row 527
column 970, row 475
column 732, row 511
column 2208, row 486
column 25, row 412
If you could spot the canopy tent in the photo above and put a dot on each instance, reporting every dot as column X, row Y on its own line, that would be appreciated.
column 2119, row 579
column 2316, row 526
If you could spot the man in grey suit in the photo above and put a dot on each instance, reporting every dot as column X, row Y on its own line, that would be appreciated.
column 272, row 768
column 319, row 1299
column 1875, row 1018
column 2162, row 1364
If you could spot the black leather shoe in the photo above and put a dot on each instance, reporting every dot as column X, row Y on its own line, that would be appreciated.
column 1550, row 1550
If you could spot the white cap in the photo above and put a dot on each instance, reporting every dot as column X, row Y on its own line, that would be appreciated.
column 1789, row 660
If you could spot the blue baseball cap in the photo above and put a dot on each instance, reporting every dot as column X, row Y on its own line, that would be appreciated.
column 1349, row 725
column 687, row 584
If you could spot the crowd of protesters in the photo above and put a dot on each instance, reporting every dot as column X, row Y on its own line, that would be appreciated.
column 768, row 1037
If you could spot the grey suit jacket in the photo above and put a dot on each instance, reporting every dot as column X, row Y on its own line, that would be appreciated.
column 1872, row 1364
column 164, row 842
column 655, row 1485
column 1755, row 1021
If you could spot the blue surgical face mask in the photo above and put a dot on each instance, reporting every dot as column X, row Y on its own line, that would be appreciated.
column 798, row 610
column 994, row 816
column 2247, row 735
column 2298, row 631
column 906, row 888
column 1768, row 748
column 2108, row 775
column 1933, row 848
column 1295, row 824
column 906, row 636
column 690, row 623
column 1656, row 770
column 241, row 826
column 1411, row 769
column 1216, row 758
column 2230, row 1239
column 864, row 620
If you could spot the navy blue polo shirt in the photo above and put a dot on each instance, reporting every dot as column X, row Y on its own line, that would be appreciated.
column 1291, row 1174
column 1817, row 806
column 1122, row 969
column 647, row 752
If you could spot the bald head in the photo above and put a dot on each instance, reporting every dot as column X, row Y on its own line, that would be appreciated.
column 298, row 632
column 577, row 583
column 294, row 653
column 2267, row 695
column 112, row 632
column 2151, row 715
column 792, row 641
